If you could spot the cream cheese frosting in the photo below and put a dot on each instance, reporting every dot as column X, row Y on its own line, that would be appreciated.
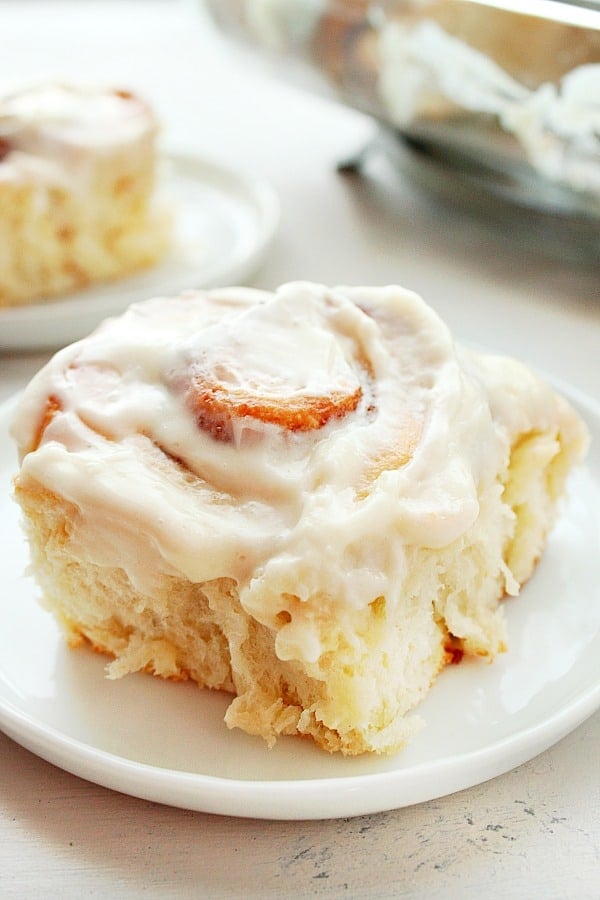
column 424, row 69
column 281, row 507
column 70, row 116
column 52, row 129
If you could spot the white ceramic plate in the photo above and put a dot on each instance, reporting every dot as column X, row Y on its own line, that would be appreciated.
column 224, row 222
column 167, row 742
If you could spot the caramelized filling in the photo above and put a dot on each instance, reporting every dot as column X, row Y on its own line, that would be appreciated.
column 53, row 406
column 5, row 148
column 216, row 406
column 454, row 650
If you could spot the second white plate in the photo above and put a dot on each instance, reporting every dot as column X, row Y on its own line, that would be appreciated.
column 224, row 222
column 168, row 742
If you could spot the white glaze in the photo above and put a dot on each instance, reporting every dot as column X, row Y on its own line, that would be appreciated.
column 299, row 512
column 61, row 135
column 72, row 116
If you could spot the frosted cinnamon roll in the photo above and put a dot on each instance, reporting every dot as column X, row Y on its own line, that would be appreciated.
column 77, row 190
column 310, row 498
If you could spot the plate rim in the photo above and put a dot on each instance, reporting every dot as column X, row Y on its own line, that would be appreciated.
column 301, row 799
column 230, row 796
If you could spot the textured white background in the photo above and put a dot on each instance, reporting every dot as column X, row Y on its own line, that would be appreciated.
column 533, row 832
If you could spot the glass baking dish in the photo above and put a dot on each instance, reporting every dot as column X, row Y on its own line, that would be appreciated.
column 504, row 92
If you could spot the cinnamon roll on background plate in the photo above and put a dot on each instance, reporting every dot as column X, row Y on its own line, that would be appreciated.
column 78, row 174
column 309, row 498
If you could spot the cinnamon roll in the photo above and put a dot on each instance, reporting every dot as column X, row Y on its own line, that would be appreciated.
column 309, row 498
column 77, row 190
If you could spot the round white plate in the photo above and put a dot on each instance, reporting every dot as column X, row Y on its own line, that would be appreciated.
column 224, row 221
column 167, row 742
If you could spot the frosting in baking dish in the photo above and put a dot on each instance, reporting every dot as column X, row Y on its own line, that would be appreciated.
column 122, row 424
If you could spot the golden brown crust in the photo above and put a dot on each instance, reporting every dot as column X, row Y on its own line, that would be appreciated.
column 454, row 650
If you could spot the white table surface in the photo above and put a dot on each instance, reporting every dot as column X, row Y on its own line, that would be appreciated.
column 532, row 832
